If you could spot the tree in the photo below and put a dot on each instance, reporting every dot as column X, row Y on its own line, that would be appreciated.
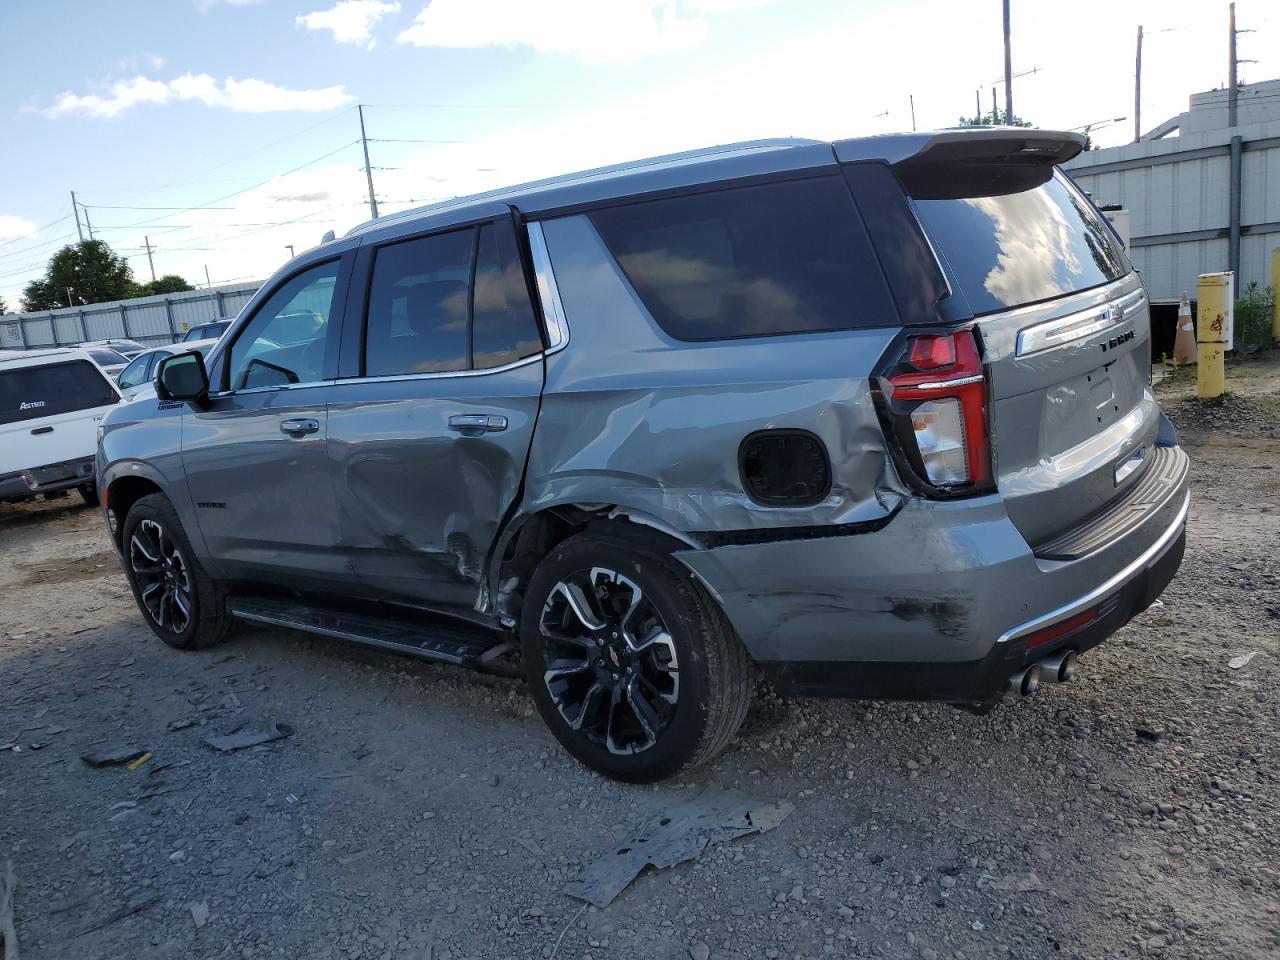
column 4, row 307
column 169, row 283
column 996, row 118
column 80, row 273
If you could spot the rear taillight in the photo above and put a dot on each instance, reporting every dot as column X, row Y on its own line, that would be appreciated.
column 933, row 402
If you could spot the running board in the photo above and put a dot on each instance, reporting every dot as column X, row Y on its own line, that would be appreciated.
column 448, row 642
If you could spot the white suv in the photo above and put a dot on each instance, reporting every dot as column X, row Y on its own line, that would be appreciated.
column 50, row 405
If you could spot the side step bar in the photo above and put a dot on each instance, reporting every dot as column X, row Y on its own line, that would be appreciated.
column 460, row 644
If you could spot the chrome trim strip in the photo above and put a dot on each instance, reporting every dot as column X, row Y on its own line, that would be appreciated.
column 946, row 384
column 548, row 292
column 1078, row 325
column 479, row 372
column 1101, row 591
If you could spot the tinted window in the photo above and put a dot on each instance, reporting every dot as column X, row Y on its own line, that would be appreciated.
column 1006, row 249
column 106, row 358
column 285, row 341
column 27, row 393
column 136, row 372
column 504, row 329
column 751, row 261
column 417, row 321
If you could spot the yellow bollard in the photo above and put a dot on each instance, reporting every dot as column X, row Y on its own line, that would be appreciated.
column 1213, row 291
column 1275, row 293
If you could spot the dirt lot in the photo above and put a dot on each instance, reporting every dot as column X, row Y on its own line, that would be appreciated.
column 421, row 812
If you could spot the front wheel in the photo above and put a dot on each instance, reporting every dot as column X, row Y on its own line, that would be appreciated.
column 630, row 663
column 181, row 604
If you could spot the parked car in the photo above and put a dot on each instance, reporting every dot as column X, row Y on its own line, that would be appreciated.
column 50, row 404
column 871, row 417
column 110, row 361
column 126, row 348
column 137, row 380
column 204, row 331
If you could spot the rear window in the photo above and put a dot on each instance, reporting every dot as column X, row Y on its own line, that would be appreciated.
column 28, row 393
column 1010, row 249
column 777, row 258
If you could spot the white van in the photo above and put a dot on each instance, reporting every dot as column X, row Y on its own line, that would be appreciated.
column 50, row 405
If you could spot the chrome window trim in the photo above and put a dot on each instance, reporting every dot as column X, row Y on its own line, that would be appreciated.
column 1078, row 325
column 245, row 391
column 442, row 374
column 548, row 292
column 1108, row 586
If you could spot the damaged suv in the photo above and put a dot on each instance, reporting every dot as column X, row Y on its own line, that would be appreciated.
column 871, row 417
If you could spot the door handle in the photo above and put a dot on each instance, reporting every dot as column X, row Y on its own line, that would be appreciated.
column 298, row 428
column 474, row 424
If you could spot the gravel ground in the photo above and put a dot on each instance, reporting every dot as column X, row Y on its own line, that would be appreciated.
column 422, row 812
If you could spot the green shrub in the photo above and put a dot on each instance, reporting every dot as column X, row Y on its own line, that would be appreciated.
column 1253, row 316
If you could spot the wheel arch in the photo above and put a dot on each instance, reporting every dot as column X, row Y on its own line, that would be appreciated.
column 123, row 486
column 530, row 536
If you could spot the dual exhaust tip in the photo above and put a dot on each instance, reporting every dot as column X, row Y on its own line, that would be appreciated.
column 1059, row 668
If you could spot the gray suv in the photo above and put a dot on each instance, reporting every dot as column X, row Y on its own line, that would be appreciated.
column 869, row 417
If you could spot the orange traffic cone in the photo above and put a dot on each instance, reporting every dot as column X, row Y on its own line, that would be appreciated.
column 1184, row 343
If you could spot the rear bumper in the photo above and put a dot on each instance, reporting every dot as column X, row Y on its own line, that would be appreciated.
column 47, row 479
column 939, row 604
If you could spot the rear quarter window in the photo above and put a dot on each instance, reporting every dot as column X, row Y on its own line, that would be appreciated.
column 761, row 260
column 28, row 393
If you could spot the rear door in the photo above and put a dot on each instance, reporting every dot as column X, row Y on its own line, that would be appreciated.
column 255, row 454
column 49, row 412
column 430, row 431
column 1064, row 325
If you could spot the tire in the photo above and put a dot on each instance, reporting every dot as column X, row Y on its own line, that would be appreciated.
column 663, row 692
column 157, row 556
column 90, row 494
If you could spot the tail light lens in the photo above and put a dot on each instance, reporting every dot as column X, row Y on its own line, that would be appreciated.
column 933, row 403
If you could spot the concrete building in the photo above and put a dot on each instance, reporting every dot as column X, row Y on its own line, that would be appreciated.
column 1202, row 197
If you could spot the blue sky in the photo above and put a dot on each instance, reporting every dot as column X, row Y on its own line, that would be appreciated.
column 240, row 113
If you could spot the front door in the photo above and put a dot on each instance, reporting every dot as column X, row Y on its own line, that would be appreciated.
column 429, row 442
column 255, row 456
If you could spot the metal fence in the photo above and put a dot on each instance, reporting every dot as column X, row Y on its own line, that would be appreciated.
column 151, row 320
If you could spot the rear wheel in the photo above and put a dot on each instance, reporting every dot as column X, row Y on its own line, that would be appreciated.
column 181, row 604
column 630, row 663
column 89, row 492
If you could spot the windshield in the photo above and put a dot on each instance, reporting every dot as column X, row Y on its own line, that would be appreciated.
column 1022, row 247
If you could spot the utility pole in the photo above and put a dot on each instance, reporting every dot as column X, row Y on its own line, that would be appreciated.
column 1137, row 90
column 75, row 208
column 87, row 225
column 152, row 263
column 368, row 170
column 995, row 111
column 207, row 282
column 912, row 98
column 1231, row 70
column 289, row 246
column 1008, row 69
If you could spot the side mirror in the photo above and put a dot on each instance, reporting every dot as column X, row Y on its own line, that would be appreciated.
column 182, row 377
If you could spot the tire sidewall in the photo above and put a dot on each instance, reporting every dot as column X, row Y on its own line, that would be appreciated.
column 653, row 574
column 159, row 510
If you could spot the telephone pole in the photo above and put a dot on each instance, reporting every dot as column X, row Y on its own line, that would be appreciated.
column 368, row 170
column 1137, row 90
column 1231, row 74
column 151, row 263
column 75, row 208
column 87, row 225
column 1008, row 69
column 977, row 105
column 289, row 246
column 912, row 98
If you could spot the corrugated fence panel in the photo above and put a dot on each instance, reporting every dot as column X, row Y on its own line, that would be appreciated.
column 67, row 328
column 149, row 321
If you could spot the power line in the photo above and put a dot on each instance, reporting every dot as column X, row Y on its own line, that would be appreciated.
column 65, row 216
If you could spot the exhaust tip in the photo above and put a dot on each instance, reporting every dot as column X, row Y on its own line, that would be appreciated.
column 1061, row 667
column 1027, row 680
column 1067, row 669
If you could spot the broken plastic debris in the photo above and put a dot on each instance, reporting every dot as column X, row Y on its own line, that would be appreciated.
column 250, row 738
column 1236, row 663
column 134, row 765
column 112, row 756
column 714, row 816
column 200, row 913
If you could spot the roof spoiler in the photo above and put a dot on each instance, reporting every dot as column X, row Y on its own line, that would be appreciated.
column 982, row 161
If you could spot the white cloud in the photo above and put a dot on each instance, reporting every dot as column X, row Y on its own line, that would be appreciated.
column 12, row 226
column 350, row 21
column 592, row 30
column 242, row 96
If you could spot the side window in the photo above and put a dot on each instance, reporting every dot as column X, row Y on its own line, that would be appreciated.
column 136, row 372
column 285, row 341
column 417, row 318
column 504, row 328
column 755, row 261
